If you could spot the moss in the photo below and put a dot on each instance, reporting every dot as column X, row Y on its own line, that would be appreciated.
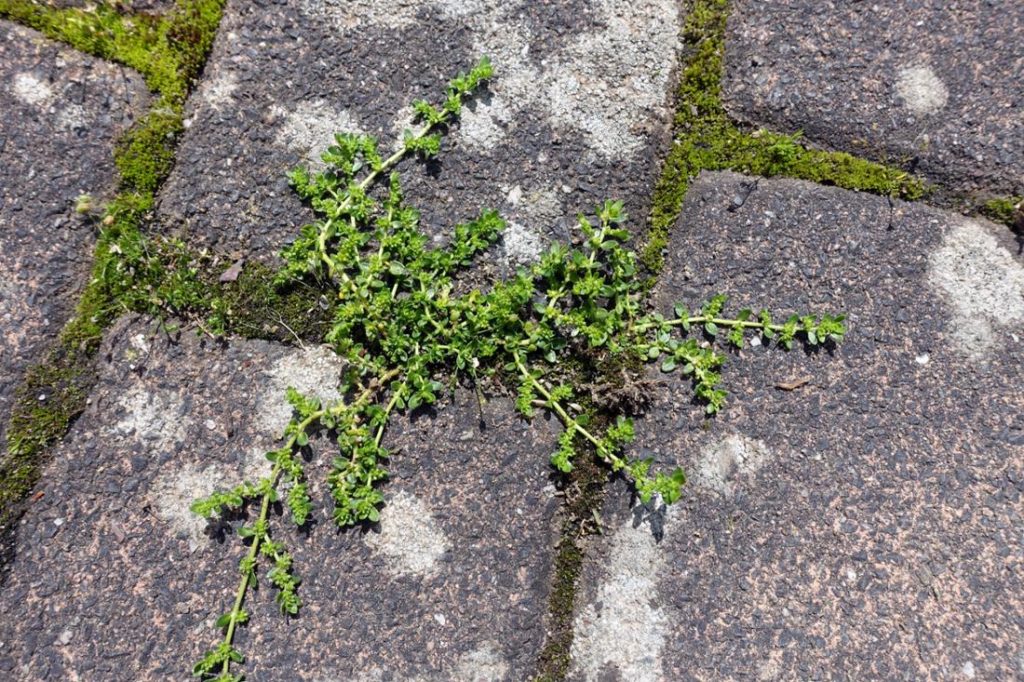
column 50, row 396
column 584, row 493
column 129, row 272
column 252, row 306
column 1006, row 210
column 705, row 139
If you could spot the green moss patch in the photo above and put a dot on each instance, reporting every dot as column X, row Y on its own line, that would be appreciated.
column 129, row 272
column 705, row 139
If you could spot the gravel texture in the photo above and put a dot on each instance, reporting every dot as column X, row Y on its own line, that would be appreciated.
column 932, row 85
column 113, row 581
column 62, row 112
column 868, row 523
column 578, row 111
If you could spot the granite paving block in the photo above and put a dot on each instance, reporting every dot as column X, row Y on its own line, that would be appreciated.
column 865, row 525
column 62, row 112
column 578, row 111
column 114, row 578
column 932, row 85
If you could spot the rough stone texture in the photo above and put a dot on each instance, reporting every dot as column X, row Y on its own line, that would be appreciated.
column 933, row 85
column 578, row 111
column 866, row 525
column 62, row 112
column 113, row 581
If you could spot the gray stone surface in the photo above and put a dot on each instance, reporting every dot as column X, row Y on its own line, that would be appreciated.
column 867, row 525
column 578, row 111
column 932, row 85
column 62, row 112
column 114, row 579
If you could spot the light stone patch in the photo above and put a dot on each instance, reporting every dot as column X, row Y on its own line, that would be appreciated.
column 410, row 538
column 313, row 371
column 531, row 215
column 173, row 492
column 628, row 634
column 153, row 417
column 73, row 117
column 983, row 284
column 404, row 120
column 921, row 90
column 348, row 14
column 603, row 84
column 613, row 79
column 722, row 464
column 485, row 664
column 31, row 90
column 522, row 244
column 310, row 128
column 218, row 92
column 482, row 124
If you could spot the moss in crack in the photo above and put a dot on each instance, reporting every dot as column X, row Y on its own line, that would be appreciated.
column 584, row 493
column 706, row 139
column 129, row 272
column 49, row 397
column 1006, row 210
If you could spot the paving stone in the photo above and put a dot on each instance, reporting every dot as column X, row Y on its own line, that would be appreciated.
column 868, row 524
column 932, row 85
column 62, row 112
column 114, row 579
column 578, row 111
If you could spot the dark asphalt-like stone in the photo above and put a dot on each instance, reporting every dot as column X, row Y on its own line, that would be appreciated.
column 113, row 579
column 578, row 112
column 932, row 85
column 865, row 525
column 62, row 112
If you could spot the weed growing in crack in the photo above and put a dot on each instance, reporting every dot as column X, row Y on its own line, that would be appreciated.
column 407, row 337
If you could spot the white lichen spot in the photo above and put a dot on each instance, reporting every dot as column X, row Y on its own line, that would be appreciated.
column 31, row 90
column 348, row 14
column 485, row 664
column 522, row 244
column 410, row 538
column 722, row 464
column 313, row 371
column 983, row 284
column 405, row 120
column 173, row 490
column 770, row 669
column 627, row 634
column 921, row 90
column 139, row 342
column 152, row 416
column 310, row 128
column 218, row 92
column 73, row 117
column 968, row 670
column 482, row 125
column 531, row 215
column 922, row 359
column 603, row 84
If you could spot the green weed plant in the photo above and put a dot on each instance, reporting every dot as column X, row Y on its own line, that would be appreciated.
column 408, row 338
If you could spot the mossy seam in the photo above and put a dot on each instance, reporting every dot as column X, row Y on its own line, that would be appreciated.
column 706, row 139
column 168, row 51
